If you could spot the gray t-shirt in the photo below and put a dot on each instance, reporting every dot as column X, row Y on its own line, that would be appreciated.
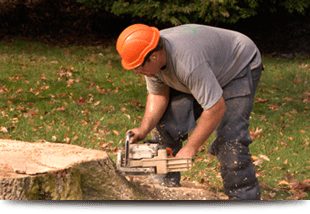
column 201, row 60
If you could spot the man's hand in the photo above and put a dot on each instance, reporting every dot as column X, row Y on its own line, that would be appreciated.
column 137, row 135
column 186, row 152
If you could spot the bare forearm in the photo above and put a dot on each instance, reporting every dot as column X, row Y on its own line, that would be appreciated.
column 203, row 131
column 155, row 108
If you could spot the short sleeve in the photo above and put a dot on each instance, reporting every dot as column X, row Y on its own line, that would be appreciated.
column 204, row 86
column 154, row 85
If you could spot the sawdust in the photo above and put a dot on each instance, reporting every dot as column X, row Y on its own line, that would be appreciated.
column 187, row 191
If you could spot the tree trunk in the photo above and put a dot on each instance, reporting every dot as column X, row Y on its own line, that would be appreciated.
column 52, row 171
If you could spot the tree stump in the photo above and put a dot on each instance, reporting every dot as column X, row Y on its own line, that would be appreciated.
column 53, row 171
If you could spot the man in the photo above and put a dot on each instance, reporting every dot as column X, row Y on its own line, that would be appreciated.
column 195, row 71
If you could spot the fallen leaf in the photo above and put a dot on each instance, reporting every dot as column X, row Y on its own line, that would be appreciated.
column 262, row 117
column 3, row 129
column 127, row 115
column 264, row 157
column 273, row 107
column 285, row 162
column 103, row 145
column 260, row 100
column 204, row 181
column 284, row 143
column 254, row 158
column 19, row 91
column 115, row 132
column 283, row 183
column 96, row 103
column 258, row 162
column 288, row 99
column 67, row 140
column 112, row 120
column 61, row 108
column 266, row 186
column 272, row 195
column 257, row 133
column 104, row 132
column 62, row 95
column 294, row 111
column 298, row 80
column 306, row 100
column 123, row 81
column 298, row 195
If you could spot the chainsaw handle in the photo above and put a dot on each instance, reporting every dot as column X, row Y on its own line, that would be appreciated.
column 127, row 142
column 150, row 141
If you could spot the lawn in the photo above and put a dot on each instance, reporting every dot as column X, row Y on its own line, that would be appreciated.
column 83, row 96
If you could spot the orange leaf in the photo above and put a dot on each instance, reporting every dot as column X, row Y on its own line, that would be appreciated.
column 123, row 81
column 254, row 158
column 273, row 107
column 19, row 91
column 115, row 132
column 283, row 183
column 260, row 100
column 257, row 133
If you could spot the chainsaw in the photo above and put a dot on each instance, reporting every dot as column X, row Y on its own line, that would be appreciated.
column 148, row 158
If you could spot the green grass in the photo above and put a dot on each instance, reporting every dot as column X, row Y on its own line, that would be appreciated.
column 83, row 96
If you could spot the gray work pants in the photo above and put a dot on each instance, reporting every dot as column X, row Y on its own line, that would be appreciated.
column 232, row 135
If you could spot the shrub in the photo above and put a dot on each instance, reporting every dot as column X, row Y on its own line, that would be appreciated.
column 185, row 11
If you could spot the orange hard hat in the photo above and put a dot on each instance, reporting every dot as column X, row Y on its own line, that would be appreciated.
column 135, row 42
